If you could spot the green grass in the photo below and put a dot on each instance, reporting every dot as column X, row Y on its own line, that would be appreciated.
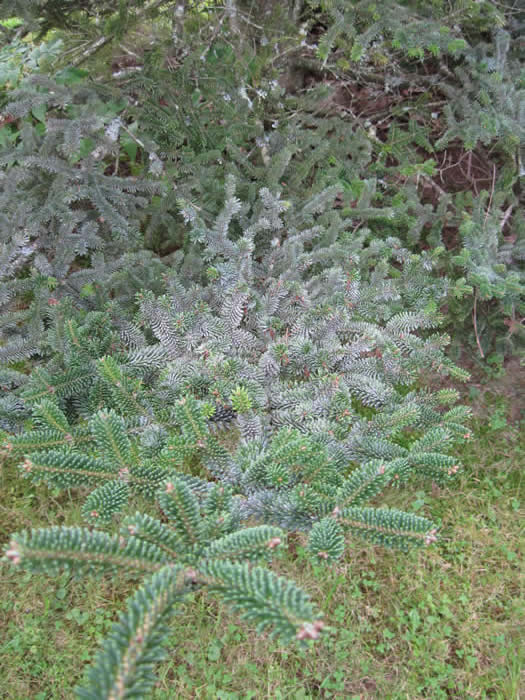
column 439, row 623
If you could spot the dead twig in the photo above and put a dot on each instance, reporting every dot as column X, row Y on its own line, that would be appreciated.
column 475, row 319
column 92, row 49
column 506, row 216
column 433, row 184
column 103, row 40
column 491, row 193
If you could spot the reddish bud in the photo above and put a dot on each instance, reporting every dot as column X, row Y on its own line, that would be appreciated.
column 310, row 631
column 14, row 556
column 191, row 575
column 431, row 537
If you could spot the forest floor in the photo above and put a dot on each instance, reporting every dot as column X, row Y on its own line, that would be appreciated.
column 439, row 623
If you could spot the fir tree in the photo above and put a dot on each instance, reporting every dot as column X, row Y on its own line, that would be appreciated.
column 196, row 545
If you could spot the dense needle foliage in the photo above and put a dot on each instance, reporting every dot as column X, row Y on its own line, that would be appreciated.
column 232, row 269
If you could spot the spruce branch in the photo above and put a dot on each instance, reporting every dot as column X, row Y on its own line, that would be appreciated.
column 104, row 502
column 126, row 661
column 81, row 551
column 144, row 527
column 64, row 468
column 181, row 507
column 250, row 544
column 264, row 599
column 109, row 431
column 388, row 527
column 326, row 540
